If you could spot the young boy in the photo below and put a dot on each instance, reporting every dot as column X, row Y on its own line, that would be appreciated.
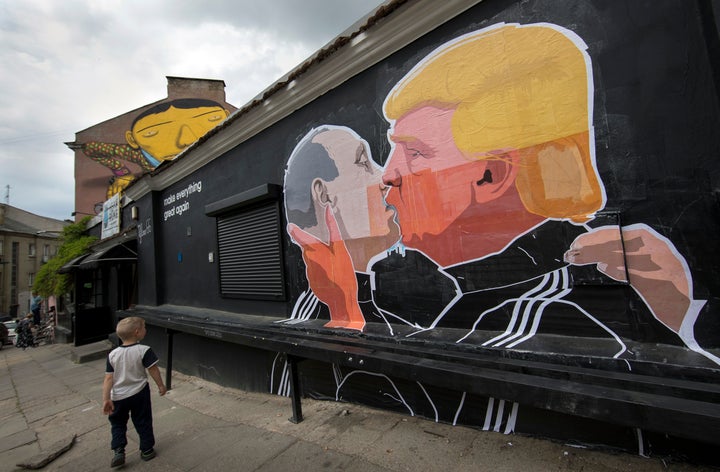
column 126, row 390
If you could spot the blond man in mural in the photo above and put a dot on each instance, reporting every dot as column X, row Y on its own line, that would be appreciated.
column 506, row 142
column 156, row 135
column 493, row 178
column 492, row 141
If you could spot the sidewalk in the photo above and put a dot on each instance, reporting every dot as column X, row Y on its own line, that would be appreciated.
column 199, row 426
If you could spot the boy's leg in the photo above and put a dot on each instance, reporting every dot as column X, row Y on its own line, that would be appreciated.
column 118, row 424
column 142, row 418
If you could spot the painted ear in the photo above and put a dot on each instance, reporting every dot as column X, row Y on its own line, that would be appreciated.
column 498, row 176
column 131, row 140
column 320, row 192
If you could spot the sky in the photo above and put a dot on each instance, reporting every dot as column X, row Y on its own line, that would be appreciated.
column 67, row 65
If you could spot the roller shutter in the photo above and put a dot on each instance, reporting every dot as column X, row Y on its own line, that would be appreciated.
column 250, row 254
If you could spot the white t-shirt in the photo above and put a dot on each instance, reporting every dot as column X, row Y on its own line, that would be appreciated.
column 128, row 364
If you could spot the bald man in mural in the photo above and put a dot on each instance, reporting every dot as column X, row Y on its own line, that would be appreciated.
column 493, row 177
column 156, row 135
column 334, row 201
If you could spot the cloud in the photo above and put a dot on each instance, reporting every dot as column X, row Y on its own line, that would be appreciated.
column 307, row 21
column 70, row 65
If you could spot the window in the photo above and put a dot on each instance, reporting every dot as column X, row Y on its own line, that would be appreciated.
column 31, row 279
column 31, row 249
column 250, row 253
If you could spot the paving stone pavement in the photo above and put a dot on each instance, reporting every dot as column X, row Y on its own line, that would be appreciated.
column 45, row 397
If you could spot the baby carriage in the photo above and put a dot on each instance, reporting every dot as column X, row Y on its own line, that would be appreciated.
column 25, row 337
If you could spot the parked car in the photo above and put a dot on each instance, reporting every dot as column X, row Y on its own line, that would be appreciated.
column 10, row 325
column 3, row 335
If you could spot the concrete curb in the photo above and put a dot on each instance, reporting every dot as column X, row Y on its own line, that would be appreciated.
column 90, row 352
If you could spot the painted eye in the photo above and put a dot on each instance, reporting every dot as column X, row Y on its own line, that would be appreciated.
column 362, row 160
column 414, row 153
column 150, row 133
column 215, row 118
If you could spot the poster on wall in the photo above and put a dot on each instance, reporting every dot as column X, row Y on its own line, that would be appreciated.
column 111, row 216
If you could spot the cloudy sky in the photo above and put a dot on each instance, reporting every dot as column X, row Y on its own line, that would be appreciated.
column 67, row 65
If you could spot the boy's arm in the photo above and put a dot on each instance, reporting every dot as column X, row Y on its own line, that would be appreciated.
column 154, row 372
column 108, row 406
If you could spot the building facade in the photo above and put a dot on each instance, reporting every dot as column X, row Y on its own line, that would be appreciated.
column 27, row 241
column 492, row 213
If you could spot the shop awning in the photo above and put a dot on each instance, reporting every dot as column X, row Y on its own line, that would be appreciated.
column 72, row 265
column 113, row 254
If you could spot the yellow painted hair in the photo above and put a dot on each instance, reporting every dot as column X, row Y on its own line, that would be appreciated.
column 522, row 88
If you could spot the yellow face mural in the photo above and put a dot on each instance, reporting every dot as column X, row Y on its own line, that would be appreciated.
column 165, row 134
column 157, row 134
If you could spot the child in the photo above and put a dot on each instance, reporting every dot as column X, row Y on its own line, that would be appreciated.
column 126, row 390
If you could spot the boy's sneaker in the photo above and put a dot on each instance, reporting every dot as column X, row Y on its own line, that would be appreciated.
column 147, row 455
column 119, row 458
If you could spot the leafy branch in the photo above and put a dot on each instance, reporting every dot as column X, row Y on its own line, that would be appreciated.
column 74, row 243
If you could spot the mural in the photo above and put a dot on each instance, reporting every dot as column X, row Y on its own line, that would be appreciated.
column 489, row 201
column 157, row 134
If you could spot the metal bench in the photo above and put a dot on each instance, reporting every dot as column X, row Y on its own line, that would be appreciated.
column 649, row 399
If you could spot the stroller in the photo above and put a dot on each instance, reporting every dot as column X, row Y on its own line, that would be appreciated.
column 24, row 332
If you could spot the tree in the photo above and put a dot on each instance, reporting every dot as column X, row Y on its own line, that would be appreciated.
column 74, row 243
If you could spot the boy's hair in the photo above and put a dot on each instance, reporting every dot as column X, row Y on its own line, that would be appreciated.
column 127, row 326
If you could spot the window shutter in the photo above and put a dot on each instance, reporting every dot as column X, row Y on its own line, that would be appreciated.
column 250, row 254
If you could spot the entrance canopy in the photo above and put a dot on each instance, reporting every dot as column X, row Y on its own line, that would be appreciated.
column 72, row 265
column 117, row 253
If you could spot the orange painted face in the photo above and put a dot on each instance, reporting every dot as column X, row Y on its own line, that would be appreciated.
column 432, row 179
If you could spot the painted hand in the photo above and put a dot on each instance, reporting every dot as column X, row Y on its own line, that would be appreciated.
column 118, row 184
column 657, row 272
column 331, row 274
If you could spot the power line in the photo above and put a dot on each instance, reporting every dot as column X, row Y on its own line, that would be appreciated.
column 35, row 136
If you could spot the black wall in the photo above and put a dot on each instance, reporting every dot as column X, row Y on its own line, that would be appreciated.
column 656, row 120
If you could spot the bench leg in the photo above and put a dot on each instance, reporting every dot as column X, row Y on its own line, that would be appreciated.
column 294, row 390
column 169, row 357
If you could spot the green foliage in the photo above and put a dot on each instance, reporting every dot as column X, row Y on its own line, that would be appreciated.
column 74, row 243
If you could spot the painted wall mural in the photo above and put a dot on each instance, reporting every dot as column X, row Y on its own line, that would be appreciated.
column 156, row 135
column 488, row 206
column 112, row 154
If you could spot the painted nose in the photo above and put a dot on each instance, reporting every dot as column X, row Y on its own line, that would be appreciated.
column 185, row 137
column 392, row 178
